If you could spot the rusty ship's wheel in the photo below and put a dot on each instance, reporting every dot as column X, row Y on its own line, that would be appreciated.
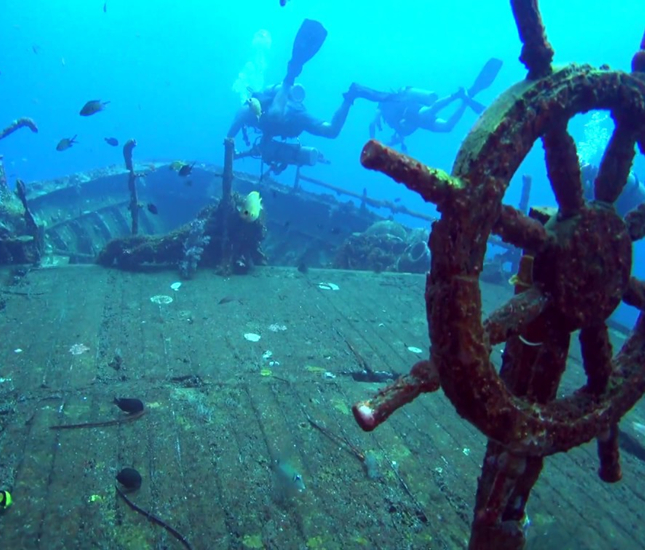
column 581, row 269
column 574, row 272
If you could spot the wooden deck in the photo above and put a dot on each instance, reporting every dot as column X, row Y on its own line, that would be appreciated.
column 218, row 414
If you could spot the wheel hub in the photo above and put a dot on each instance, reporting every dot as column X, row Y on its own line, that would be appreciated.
column 586, row 273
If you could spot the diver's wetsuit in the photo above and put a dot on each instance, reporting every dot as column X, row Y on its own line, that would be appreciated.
column 411, row 109
column 281, row 115
column 632, row 195
column 289, row 119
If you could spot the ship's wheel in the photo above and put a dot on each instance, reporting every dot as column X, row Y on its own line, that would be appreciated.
column 575, row 270
column 581, row 261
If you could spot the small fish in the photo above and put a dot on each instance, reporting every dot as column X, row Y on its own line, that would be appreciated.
column 65, row 143
column 112, row 141
column 105, row 7
column 92, row 107
column 129, row 405
column 283, row 3
column 252, row 207
column 303, row 268
column 35, row 48
column 186, row 169
column 225, row 300
column 398, row 199
column 255, row 107
column 129, row 478
column 288, row 479
column 152, row 208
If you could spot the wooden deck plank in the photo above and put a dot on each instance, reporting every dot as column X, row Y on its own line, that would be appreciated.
column 216, row 420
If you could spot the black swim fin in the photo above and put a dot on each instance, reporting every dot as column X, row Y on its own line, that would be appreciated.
column 308, row 41
column 485, row 77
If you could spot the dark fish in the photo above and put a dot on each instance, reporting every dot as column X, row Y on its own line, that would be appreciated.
column 186, row 169
column 65, row 143
column 92, row 107
column 152, row 208
column 131, row 406
column 398, row 199
column 225, row 300
column 129, row 478
column 105, row 7
column 112, row 141
column 303, row 268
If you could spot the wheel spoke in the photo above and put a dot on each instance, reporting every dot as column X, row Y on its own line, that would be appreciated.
column 514, row 315
column 616, row 164
column 432, row 184
column 550, row 364
column 563, row 169
column 635, row 294
column 609, row 455
column 537, row 53
column 516, row 228
column 596, row 357
column 635, row 220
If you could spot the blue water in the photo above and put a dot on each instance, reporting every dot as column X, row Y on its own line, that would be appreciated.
column 169, row 68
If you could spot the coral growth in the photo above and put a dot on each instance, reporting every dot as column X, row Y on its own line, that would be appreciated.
column 193, row 248
column 385, row 246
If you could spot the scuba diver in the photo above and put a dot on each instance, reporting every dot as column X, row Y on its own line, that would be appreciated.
column 632, row 195
column 411, row 109
column 279, row 111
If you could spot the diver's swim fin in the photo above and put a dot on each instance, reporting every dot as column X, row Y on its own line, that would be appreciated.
column 308, row 41
column 485, row 77
column 476, row 106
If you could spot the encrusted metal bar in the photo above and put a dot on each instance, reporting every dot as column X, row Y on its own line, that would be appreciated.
column 537, row 53
column 596, row 357
column 518, row 229
column 423, row 378
column 23, row 122
column 514, row 315
column 432, row 184
column 609, row 455
column 563, row 169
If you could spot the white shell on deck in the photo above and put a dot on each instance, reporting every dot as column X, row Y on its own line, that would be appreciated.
column 328, row 286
